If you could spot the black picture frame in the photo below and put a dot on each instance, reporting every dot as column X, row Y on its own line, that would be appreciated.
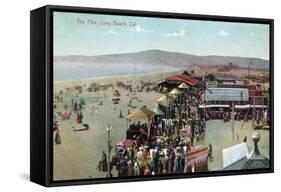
column 41, row 81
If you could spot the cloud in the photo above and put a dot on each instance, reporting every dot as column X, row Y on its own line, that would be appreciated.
column 111, row 32
column 139, row 29
column 180, row 33
column 222, row 33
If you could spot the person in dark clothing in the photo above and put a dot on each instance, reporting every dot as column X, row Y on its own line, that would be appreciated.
column 57, row 137
column 102, row 161
column 210, row 152
column 79, row 117
column 179, row 162
column 120, row 114
column 192, row 132
column 75, row 107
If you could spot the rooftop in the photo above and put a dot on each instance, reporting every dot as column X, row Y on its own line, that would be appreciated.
column 225, row 77
column 239, row 157
column 227, row 94
column 246, row 163
column 184, row 77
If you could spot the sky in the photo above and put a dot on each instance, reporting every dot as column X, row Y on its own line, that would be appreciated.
column 94, row 34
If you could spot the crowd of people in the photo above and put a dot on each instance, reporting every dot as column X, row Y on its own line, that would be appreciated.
column 165, row 155
column 160, row 146
column 165, row 147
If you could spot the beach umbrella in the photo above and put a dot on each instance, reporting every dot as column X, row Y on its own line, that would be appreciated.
column 163, row 101
column 183, row 86
column 141, row 114
column 175, row 91
column 157, row 110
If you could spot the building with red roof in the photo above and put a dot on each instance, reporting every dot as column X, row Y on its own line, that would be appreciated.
column 176, row 80
column 194, row 84
column 183, row 78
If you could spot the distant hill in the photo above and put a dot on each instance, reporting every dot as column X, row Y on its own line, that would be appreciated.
column 81, row 67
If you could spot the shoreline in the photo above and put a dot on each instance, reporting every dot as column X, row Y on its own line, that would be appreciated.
column 119, row 76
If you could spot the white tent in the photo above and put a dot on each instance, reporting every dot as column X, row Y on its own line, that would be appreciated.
column 164, row 101
column 175, row 91
column 157, row 110
column 142, row 113
column 183, row 86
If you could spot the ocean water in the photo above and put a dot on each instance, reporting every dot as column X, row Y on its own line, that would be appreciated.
column 78, row 71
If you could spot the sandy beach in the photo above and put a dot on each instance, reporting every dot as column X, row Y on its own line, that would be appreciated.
column 80, row 151
column 78, row 155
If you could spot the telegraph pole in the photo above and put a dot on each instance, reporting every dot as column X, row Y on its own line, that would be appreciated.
column 108, row 129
